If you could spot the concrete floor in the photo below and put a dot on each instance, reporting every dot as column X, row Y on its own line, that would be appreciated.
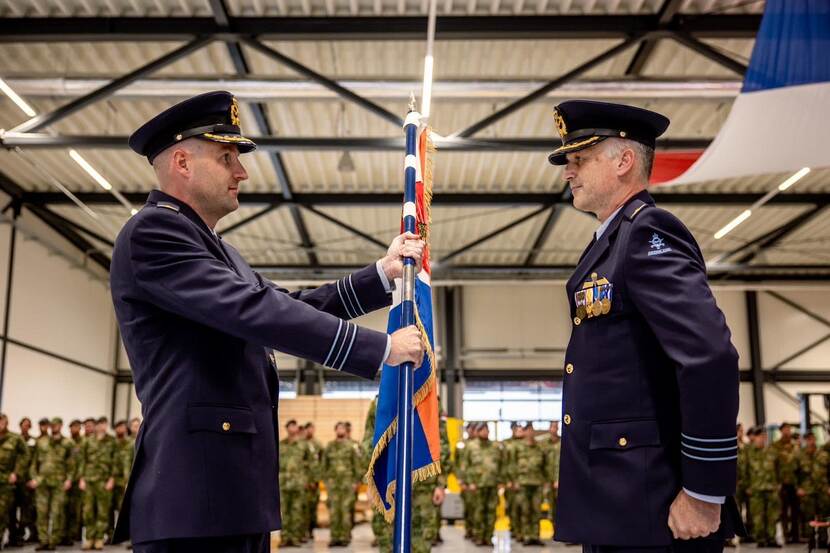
column 453, row 542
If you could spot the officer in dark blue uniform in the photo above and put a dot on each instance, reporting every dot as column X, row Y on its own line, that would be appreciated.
column 199, row 326
column 650, row 388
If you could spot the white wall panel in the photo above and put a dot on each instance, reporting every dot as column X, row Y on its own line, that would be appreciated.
column 60, row 308
column 37, row 386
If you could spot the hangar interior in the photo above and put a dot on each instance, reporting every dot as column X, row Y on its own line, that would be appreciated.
column 323, row 87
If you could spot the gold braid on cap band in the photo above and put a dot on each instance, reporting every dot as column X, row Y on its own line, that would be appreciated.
column 223, row 138
column 573, row 145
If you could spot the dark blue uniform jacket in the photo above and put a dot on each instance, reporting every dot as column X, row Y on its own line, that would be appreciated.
column 199, row 326
column 650, row 385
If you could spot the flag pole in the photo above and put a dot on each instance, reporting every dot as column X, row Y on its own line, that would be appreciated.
column 403, row 472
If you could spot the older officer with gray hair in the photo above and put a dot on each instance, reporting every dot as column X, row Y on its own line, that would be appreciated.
column 199, row 326
column 650, row 392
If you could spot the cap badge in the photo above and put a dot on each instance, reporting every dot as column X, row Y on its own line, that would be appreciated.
column 560, row 123
column 234, row 112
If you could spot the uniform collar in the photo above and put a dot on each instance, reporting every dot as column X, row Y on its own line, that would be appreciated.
column 157, row 196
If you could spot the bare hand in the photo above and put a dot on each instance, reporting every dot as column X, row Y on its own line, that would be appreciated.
column 438, row 496
column 407, row 347
column 556, row 485
column 471, row 487
column 692, row 518
column 67, row 485
column 32, row 484
column 12, row 478
column 404, row 245
column 82, row 485
column 110, row 484
column 801, row 492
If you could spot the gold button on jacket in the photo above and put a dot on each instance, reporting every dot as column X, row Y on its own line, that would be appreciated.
column 623, row 442
column 567, row 419
column 569, row 368
column 226, row 426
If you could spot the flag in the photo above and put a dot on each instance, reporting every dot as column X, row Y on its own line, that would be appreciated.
column 426, row 445
column 778, row 122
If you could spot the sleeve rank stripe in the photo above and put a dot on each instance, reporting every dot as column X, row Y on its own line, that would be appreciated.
column 345, row 305
column 334, row 342
column 733, row 448
column 356, row 299
column 695, row 457
column 342, row 344
column 732, row 439
column 349, row 297
column 348, row 351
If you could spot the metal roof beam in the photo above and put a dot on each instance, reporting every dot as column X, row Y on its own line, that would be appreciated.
column 531, row 27
column 366, row 144
column 44, row 120
column 462, row 199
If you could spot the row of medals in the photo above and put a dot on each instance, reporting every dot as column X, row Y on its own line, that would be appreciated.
column 597, row 307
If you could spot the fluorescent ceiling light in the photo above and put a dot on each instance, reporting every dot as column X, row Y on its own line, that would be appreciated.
column 21, row 103
column 90, row 169
column 732, row 224
column 794, row 179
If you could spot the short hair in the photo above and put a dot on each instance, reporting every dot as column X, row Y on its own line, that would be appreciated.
column 644, row 154
column 75, row 422
column 122, row 422
column 3, row 416
column 809, row 435
column 102, row 420
column 24, row 419
column 292, row 422
column 339, row 423
column 89, row 419
column 43, row 421
column 785, row 425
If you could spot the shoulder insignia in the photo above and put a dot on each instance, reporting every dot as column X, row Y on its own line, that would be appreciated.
column 168, row 205
column 634, row 208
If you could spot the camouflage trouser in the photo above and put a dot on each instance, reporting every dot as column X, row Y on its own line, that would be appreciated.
column 97, row 501
column 6, row 505
column 115, row 506
column 766, row 511
column 485, row 501
column 466, row 500
column 313, row 501
column 423, row 531
column 511, row 508
column 529, row 507
column 74, row 515
column 50, row 502
column 292, row 505
column 25, row 501
column 341, row 504
column 382, row 531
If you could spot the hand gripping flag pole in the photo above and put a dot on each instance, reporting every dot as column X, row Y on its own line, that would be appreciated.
column 403, row 495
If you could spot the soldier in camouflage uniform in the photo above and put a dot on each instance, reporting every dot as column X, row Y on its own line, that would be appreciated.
column 788, row 451
column 812, row 482
column 510, row 447
column 51, row 476
column 447, row 468
column 342, row 469
column 380, row 528
column 74, row 499
column 24, row 497
column 530, row 471
column 313, row 498
column 295, row 457
column 552, row 444
column 13, row 457
column 124, row 449
column 96, row 478
column 764, row 488
column 482, row 476
column 461, row 466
